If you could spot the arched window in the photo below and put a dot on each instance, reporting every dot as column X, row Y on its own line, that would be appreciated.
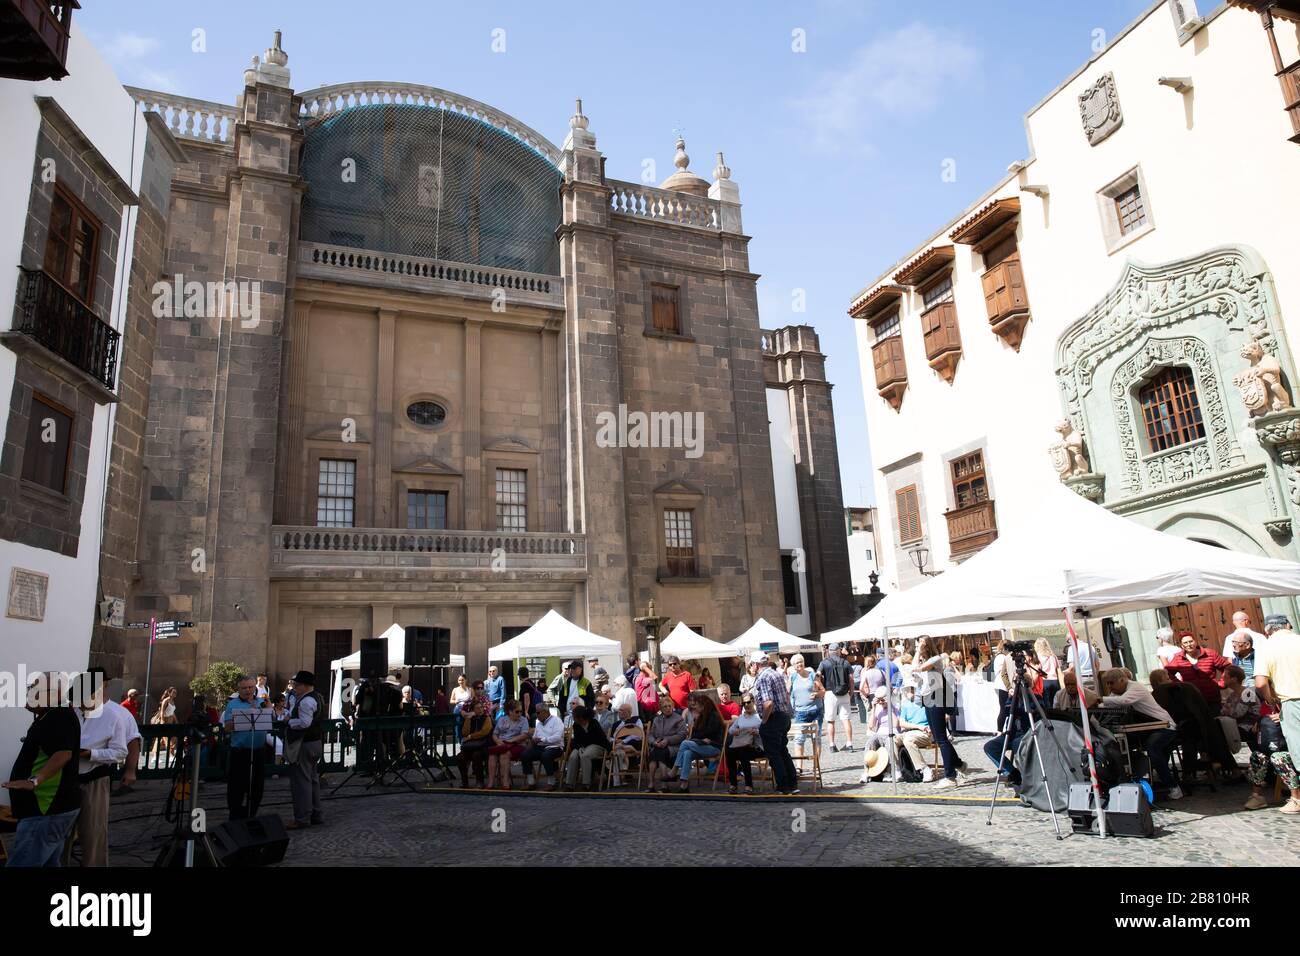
column 1170, row 409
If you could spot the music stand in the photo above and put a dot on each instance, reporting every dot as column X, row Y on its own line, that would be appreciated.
column 257, row 719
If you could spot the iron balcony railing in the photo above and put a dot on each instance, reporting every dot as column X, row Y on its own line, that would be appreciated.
column 58, row 320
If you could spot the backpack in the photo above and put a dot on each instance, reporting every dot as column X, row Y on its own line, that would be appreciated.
column 837, row 672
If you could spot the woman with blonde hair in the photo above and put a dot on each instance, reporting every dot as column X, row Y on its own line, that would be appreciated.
column 939, row 700
column 1050, row 667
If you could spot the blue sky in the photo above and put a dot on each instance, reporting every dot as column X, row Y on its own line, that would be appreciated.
column 838, row 150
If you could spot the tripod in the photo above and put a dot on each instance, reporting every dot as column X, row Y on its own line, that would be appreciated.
column 189, row 844
column 1029, row 705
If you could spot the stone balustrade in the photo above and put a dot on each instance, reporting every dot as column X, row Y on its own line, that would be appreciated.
column 302, row 548
column 341, row 96
column 664, row 205
column 394, row 270
column 189, row 118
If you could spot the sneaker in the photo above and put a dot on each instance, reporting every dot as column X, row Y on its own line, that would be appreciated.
column 863, row 779
column 947, row 783
column 1257, row 801
column 848, row 748
column 895, row 777
column 1175, row 794
column 834, row 749
column 927, row 775
column 1291, row 806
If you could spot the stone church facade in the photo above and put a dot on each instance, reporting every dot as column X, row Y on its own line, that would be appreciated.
column 423, row 311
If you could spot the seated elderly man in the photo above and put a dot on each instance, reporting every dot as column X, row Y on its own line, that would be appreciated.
column 1243, row 655
column 622, row 748
column 914, row 731
column 1067, row 698
column 547, row 746
column 878, row 725
column 1122, row 691
column 589, row 745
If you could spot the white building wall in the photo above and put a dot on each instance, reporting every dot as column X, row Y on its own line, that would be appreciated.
column 94, row 99
column 789, row 529
column 1217, row 165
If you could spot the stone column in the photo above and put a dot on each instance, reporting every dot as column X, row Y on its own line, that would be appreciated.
column 596, row 495
column 383, row 457
column 473, row 481
column 265, row 191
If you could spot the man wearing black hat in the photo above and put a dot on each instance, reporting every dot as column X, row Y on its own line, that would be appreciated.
column 303, row 749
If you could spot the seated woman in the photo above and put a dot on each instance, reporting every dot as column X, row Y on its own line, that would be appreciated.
column 624, row 747
column 743, row 744
column 667, row 731
column 475, row 738
column 605, row 714
column 707, row 727
column 509, row 741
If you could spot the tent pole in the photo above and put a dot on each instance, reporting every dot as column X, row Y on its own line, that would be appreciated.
column 1087, row 730
column 889, row 708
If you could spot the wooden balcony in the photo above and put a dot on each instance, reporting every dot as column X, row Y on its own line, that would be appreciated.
column 310, row 552
column 1006, row 301
column 891, row 370
column 53, row 320
column 1290, row 80
column 34, row 38
column 942, row 339
column 971, row 528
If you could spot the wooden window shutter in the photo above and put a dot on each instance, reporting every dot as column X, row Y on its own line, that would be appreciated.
column 908, row 511
column 1016, row 283
column 664, row 309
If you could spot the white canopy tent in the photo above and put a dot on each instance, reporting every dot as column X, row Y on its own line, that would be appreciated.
column 761, row 632
column 396, row 638
column 555, row 636
column 871, row 628
column 690, row 645
column 1071, row 553
column 1067, row 554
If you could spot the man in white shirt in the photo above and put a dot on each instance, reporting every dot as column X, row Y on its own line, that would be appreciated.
column 1122, row 692
column 1241, row 622
column 1086, row 666
column 106, row 730
column 547, row 745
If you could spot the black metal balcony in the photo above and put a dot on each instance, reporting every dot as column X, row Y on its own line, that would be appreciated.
column 34, row 38
column 58, row 320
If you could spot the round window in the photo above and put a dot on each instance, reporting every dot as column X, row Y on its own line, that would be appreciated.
column 426, row 414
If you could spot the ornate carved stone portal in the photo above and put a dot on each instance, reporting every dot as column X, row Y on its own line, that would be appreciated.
column 1099, row 109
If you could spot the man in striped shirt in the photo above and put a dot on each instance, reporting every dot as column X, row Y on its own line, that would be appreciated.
column 772, row 698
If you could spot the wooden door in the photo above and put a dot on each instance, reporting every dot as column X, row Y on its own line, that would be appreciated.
column 1211, row 621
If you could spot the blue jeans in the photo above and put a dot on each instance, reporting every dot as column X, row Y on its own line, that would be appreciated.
column 692, row 750
column 936, row 719
column 808, row 715
column 39, row 841
column 994, row 748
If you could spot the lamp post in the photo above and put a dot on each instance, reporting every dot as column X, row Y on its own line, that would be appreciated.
column 920, row 557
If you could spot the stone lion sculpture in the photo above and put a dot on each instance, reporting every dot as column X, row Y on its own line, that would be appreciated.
column 1261, row 385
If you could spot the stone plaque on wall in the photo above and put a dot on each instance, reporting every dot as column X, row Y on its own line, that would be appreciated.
column 27, row 591
column 1099, row 109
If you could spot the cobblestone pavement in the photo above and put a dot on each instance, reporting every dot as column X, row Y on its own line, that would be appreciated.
column 847, row 824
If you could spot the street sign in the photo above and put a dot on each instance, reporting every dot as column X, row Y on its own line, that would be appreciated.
column 769, row 648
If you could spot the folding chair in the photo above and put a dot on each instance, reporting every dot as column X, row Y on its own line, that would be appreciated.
column 638, row 755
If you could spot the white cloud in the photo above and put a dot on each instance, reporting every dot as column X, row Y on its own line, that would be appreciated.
column 128, row 46
column 903, row 72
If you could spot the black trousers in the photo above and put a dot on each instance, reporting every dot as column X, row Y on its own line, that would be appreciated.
column 244, row 779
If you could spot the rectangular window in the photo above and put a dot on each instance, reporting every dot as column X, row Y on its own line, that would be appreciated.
column 512, row 499
column 679, row 540
column 938, row 293
column 908, row 508
column 1171, row 410
column 1130, row 209
column 49, row 439
column 336, row 493
column 71, row 246
column 887, row 327
column 969, row 485
column 664, row 308
column 426, row 510
column 790, row 582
